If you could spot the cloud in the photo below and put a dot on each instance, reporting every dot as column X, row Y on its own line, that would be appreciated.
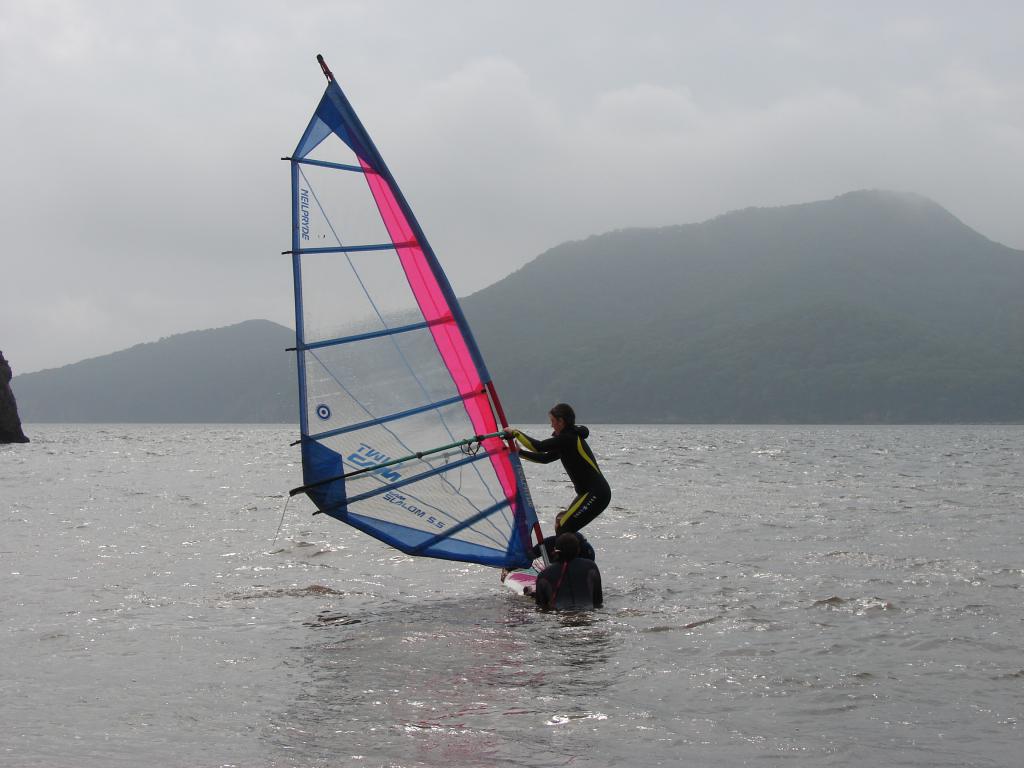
column 143, row 193
column 647, row 110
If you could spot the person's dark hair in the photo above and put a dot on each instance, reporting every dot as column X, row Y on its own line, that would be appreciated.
column 567, row 546
column 564, row 411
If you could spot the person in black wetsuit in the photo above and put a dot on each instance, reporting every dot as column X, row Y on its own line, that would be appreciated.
column 571, row 582
column 586, row 550
column 568, row 442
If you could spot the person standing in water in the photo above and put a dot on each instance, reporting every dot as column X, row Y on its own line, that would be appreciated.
column 568, row 442
column 548, row 546
column 570, row 582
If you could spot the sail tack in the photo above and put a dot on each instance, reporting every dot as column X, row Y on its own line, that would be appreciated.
column 388, row 368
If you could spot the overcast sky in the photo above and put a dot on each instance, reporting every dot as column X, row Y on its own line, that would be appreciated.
column 142, row 192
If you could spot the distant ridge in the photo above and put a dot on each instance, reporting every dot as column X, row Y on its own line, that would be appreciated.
column 875, row 306
column 872, row 307
column 237, row 374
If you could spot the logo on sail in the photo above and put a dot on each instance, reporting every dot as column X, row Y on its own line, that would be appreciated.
column 396, row 498
column 366, row 457
column 304, row 213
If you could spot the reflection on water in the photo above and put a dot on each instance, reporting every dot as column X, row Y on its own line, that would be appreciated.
column 473, row 681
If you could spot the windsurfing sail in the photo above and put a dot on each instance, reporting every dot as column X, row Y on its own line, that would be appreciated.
column 401, row 427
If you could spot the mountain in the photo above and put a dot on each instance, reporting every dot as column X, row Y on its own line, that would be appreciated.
column 871, row 307
column 236, row 374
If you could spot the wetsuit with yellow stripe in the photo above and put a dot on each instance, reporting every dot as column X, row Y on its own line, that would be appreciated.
column 592, row 490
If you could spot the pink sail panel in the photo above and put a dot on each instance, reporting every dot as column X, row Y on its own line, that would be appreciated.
column 447, row 335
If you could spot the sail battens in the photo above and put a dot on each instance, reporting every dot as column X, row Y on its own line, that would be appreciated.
column 349, row 248
column 482, row 515
column 406, row 374
column 388, row 418
column 450, row 466
column 376, row 334
column 325, row 164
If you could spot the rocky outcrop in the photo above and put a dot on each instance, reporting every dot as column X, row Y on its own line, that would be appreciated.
column 10, row 424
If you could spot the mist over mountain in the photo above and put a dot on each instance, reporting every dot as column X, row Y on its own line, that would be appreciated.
column 873, row 307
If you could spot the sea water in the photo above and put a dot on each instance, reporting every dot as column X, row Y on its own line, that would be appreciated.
column 804, row 595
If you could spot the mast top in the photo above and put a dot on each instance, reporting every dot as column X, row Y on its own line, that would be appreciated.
column 323, row 65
